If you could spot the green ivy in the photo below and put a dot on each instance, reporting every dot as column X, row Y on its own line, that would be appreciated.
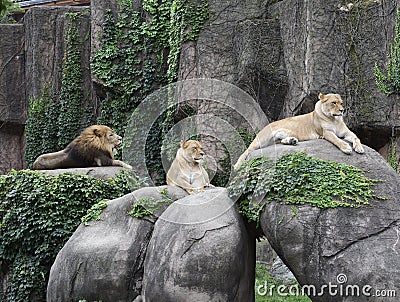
column 390, row 83
column 93, row 214
column 55, row 118
column 150, row 206
column 139, row 53
column 38, row 214
column 71, row 94
column 392, row 154
column 299, row 179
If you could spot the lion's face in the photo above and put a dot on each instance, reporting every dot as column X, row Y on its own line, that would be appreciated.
column 104, row 137
column 332, row 104
column 193, row 151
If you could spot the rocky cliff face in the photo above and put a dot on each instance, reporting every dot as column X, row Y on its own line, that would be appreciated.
column 12, row 97
column 283, row 53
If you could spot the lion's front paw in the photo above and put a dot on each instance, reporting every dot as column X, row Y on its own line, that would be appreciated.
column 289, row 141
column 346, row 148
column 358, row 148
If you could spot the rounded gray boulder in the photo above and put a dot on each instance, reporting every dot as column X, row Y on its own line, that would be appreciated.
column 348, row 249
column 200, row 251
column 104, row 261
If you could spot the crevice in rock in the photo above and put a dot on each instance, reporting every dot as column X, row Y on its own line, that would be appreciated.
column 193, row 240
column 392, row 224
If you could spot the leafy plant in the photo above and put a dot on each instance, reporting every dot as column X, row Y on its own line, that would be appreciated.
column 299, row 179
column 390, row 83
column 150, row 206
column 56, row 117
column 38, row 213
column 71, row 93
column 7, row 7
column 93, row 214
column 268, row 286
column 139, row 53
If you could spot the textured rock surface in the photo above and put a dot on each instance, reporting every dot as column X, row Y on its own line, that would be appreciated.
column 241, row 45
column 279, row 271
column 104, row 261
column 283, row 53
column 12, row 97
column 328, row 48
column 200, row 251
column 45, row 33
column 361, row 243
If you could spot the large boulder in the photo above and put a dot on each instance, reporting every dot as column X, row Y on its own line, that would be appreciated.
column 200, row 251
column 341, row 247
column 104, row 261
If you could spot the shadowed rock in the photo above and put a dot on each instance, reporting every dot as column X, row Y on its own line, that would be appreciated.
column 104, row 261
column 200, row 251
column 323, row 246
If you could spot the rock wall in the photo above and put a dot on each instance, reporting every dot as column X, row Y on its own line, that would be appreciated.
column 12, row 97
column 283, row 53
column 31, row 56
column 329, row 47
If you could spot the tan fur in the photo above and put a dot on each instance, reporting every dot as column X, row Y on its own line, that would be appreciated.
column 94, row 147
column 326, row 121
column 186, row 171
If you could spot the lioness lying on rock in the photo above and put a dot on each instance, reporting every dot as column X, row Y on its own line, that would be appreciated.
column 186, row 171
column 326, row 121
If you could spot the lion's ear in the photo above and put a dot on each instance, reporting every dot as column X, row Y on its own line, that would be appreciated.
column 96, row 131
column 322, row 97
column 183, row 142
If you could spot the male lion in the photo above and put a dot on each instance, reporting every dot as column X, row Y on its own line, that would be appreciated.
column 186, row 171
column 326, row 121
column 95, row 146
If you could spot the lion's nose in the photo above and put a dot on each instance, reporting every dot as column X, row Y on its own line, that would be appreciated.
column 341, row 109
column 202, row 153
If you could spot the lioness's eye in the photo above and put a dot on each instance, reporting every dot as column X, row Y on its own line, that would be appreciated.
column 334, row 103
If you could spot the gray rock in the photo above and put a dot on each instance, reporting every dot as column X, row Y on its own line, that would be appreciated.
column 104, row 261
column 12, row 74
column 96, row 172
column 200, row 251
column 13, row 103
column 45, row 33
column 329, row 48
column 357, row 245
column 280, row 271
column 264, row 252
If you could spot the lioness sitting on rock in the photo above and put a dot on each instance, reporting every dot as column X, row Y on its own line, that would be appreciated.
column 95, row 146
column 186, row 170
column 326, row 121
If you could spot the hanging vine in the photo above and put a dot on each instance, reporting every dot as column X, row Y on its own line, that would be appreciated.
column 56, row 117
column 139, row 53
column 390, row 83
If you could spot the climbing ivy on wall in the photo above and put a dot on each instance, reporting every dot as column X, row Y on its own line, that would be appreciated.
column 139, row 53
column 56, row 117
column 389, row 83
column 38, row 214
column 71, row 95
